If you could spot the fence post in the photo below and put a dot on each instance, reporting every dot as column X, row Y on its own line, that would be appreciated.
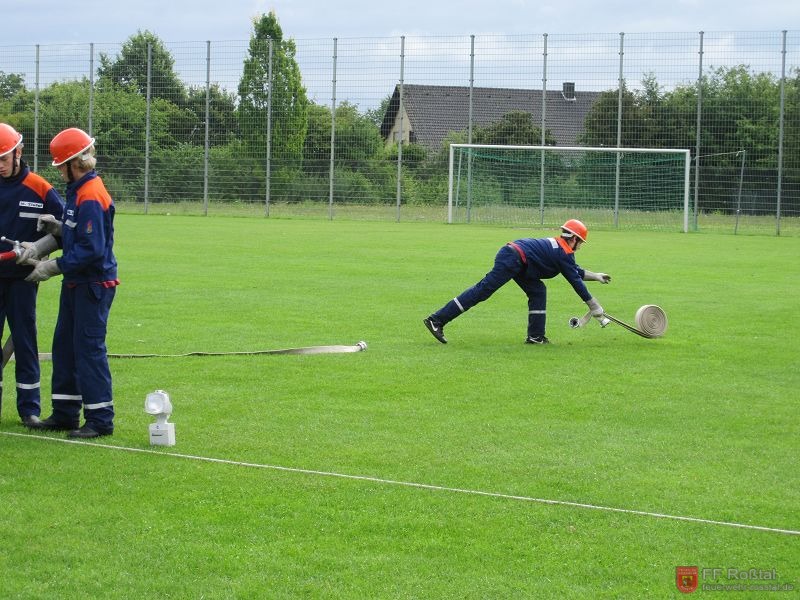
column 544, row 128
column 268, row 166
column 743, row 152
column 206, row 143
column 147, row 127
column 469, row 122
column 780, row 132
column 697, row 135
column 36, row 116
column 400, row 110
column 91, row 85
column 621, row 87
column 333, row 133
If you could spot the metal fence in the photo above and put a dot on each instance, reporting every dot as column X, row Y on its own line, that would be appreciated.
column 178, row 130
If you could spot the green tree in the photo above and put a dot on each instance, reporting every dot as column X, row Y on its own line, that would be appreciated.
column 317, row 145
column 129, row 68
column 376, row 114
column 515, row 128
column 359, row 149
column 519, row 175
column 10, row 84
column 118, row 124
column 639, row 117
column 223, row 126
column 17, row 105
column 64, row 104
column 791, row 141
column 358, row 139
column 289, row 104
column 741, row 110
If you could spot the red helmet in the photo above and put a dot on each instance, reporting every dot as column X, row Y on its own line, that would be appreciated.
column 574, row 227
column 10, row 138
column 68, row 144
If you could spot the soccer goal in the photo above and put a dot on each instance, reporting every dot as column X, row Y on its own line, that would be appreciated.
column 526, row 185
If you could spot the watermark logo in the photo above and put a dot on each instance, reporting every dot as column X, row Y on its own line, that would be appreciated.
column 686, row 578
column 729, row 579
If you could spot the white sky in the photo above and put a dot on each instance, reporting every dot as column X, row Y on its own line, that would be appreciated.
column 112, row 21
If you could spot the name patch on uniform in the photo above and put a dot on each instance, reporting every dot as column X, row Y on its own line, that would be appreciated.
column 32, row 204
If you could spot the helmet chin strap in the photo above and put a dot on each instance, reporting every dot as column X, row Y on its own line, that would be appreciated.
column 70, row 174
column 17, row 164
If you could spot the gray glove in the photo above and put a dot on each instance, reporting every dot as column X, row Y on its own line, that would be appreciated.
column 49, row 224
column 594, row 307
column 33, row 251
column 44, row 270
column 601, row 277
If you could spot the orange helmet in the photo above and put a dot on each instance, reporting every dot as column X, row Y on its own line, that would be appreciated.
column 68, row 144
column 574, row 227
column 10, row 138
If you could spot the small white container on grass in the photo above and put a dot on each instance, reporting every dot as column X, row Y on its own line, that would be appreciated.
column 158, row 404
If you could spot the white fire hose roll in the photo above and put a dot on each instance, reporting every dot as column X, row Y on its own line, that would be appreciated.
column 652, row 320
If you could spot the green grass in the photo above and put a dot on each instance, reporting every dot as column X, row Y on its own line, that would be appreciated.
column 701, row 423
column 493, row 215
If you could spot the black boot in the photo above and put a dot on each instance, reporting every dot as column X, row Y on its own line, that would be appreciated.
column 53, row 424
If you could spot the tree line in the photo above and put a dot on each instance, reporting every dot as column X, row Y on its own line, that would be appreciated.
column 270, row 123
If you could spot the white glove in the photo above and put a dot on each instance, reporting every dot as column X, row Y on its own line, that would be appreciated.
column 44, row 270
column 601, row 277
column 49, row 224
column 33, row 251
column 594, row 307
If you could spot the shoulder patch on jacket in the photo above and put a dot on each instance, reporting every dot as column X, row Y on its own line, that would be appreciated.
column 94, row 190
column 38, row 184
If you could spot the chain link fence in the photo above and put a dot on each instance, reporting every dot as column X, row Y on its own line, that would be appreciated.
column 310, row 128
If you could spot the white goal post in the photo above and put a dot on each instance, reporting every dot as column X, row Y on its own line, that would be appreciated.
column 618, row 187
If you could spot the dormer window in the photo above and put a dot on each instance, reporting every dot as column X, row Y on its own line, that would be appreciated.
column 568, row 91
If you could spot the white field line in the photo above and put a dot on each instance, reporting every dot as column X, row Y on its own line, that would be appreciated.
column 411, row 484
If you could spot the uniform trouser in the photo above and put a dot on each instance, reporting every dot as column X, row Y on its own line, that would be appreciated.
column 507, row 266
column 18, row 306
column 81, row 376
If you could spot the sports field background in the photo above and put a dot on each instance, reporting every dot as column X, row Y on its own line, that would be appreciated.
column 701, row 424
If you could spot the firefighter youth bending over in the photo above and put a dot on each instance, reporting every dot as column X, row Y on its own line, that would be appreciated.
column 527, row 262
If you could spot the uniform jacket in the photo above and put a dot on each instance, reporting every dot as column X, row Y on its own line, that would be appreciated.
column 22, row 199
column 88, row 233
column 547, row 257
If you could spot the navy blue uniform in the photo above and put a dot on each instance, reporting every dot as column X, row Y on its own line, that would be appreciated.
column 23, row 198
column 527, row 261
column 81, row 376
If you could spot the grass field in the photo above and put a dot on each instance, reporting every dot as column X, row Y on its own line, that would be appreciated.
column 414, row 469
column 512, row 216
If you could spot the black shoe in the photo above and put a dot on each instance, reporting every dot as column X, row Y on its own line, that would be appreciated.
column 30, row 421
column 539, row 339
column 87, row 432
column 436, row 329
column 53, row 424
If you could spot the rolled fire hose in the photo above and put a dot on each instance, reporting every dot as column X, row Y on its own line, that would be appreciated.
column 652, row 320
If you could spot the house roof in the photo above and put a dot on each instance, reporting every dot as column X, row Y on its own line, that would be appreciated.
column 435, row 110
